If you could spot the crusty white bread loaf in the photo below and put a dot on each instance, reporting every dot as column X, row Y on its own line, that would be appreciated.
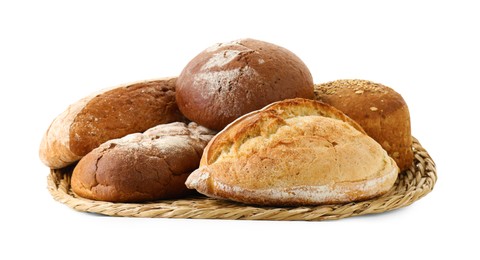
column 231, row 79
column 142, row 167
column 108, row 114
column 380, row 110
column 294, row 152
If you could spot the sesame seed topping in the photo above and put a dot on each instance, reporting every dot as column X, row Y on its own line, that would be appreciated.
column 358, row 86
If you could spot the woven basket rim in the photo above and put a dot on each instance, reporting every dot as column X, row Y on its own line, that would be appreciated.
column 411, row 185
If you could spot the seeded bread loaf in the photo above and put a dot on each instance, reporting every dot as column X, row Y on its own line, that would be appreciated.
column 381, row 112
column 291, row 153
column 142, row 167
column 106, row 115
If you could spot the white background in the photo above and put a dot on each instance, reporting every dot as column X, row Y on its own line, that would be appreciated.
column 52, row 53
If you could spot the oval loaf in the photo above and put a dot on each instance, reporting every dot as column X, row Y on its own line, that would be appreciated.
column 291, row 153
column 109, row 114
column 142, row 167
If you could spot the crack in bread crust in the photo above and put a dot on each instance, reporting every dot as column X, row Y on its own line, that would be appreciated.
column 262, row 121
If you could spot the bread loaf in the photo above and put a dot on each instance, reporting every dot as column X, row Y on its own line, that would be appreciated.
column 381, row 112
column 142, row 167
column 106, row 115
column 230, row 79
column 291, row 153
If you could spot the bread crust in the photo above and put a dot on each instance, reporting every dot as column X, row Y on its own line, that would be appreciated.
column 291, row 153
column 259, row 122
column 108, row 114
column 381, row 111
column 231, row 79
column 142, row 167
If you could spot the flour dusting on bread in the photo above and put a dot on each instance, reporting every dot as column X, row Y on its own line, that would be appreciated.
column 221, row 59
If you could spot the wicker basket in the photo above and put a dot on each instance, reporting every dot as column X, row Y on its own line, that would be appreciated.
column 410, row 186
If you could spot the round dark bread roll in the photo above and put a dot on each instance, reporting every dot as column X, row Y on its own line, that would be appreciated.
column 381, row 112
column 231, row 79
column 142, row 167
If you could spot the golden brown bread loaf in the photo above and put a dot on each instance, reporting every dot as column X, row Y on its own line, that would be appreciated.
column 230, row 79
column 294, row 152
column 142, row 167
column 381, row 112
column 106, row 115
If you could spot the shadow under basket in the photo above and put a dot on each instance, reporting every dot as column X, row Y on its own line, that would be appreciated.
column 411, row 185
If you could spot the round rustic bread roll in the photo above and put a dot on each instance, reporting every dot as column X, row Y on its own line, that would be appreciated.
column 230, row 79
column 291, row 153
column 142, row 167
column 380, row 110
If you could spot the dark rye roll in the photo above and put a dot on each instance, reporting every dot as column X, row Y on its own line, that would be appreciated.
column 231, row 79
column 142, row 167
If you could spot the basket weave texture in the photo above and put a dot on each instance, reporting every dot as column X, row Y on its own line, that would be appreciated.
column 411, row 185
